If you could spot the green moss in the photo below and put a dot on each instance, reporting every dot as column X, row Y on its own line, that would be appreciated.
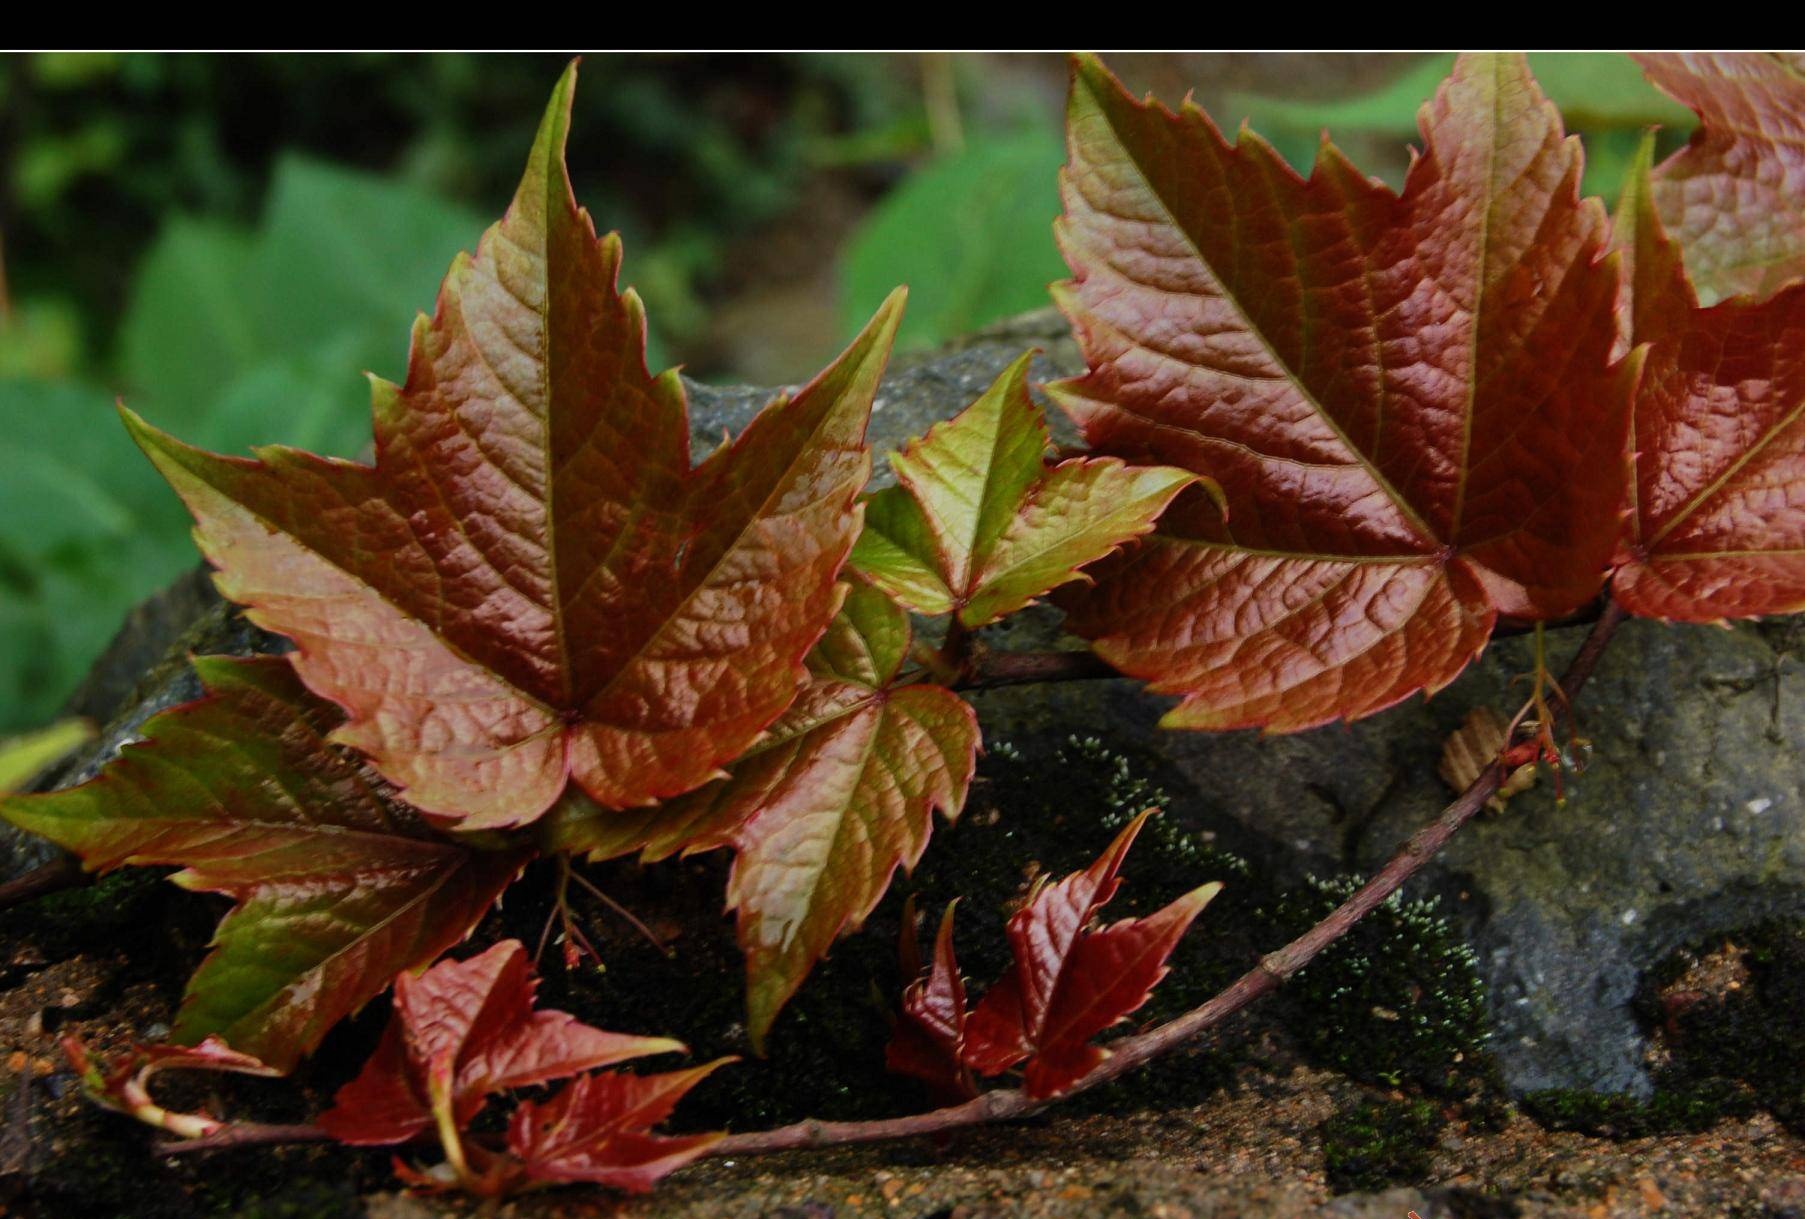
column 1671, row 1110
column 1397, row 1001
column 1371, row 1144
column 1752, row 1034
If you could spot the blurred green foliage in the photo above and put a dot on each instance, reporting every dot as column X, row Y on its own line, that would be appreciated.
column 223, row 323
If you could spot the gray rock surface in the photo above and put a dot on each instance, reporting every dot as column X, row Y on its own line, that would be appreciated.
column 1689, row 820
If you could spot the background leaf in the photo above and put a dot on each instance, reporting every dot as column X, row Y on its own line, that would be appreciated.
column 969, row 234
column 238, row 338
column 86, row 530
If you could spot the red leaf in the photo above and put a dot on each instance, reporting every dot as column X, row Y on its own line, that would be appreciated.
column 532, row 586
column 337, row 885
column 1070, row 980
column 598, row 1130
column 1717, row 528
column 462, row 1031
column 929, row 1040
column 1408, row 399
column 1734, row 198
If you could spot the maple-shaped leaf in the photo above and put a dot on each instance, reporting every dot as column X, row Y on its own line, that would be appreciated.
column 1071, row 980
column 598, row 1130
column 1734, row 197
column 462, row 1031
column 338, row 885
column 1408, row 399
column 928, row 1042
column 823, row 810
column 532, row 585
column 1717, row 524
column 980, row 526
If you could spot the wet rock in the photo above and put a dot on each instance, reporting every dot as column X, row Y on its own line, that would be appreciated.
column 1689, row 819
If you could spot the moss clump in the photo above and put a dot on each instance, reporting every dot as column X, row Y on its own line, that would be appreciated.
column 1398, row 1001
column 1371, row 1144
column 1671, row 1110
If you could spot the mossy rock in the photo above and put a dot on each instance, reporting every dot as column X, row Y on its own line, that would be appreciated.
column 1724, row 1016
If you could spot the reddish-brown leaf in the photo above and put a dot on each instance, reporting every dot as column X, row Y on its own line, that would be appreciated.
column 598, row 1130
column 928, row 1042
column 1734, row 198
column 338, row 885
column 839, row 794
column 462, row 1031
column 1070, row 980
column 1408, row 399
column 532, row 585
column 1717, row 527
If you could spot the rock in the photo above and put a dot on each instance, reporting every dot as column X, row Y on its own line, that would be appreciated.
column 1689, row 820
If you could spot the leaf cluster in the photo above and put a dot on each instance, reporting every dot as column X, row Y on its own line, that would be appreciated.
column 1338, row 432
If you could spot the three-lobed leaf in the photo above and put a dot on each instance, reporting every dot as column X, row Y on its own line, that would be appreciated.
column 461, row 1032
column 532, row 587
column 1717, row 522
column 839, row 794
column 1408, row 399
column 979, row 526
column 1070, row 980
column 338, row 886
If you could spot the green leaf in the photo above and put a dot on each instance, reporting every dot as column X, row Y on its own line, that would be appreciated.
column 980, row 526
column 189, row 328
column 367, row 252
column 1592, row 89
column 338, row 886
column 971, row 235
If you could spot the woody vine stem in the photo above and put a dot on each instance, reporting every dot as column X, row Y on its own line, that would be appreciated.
column 978, row 671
